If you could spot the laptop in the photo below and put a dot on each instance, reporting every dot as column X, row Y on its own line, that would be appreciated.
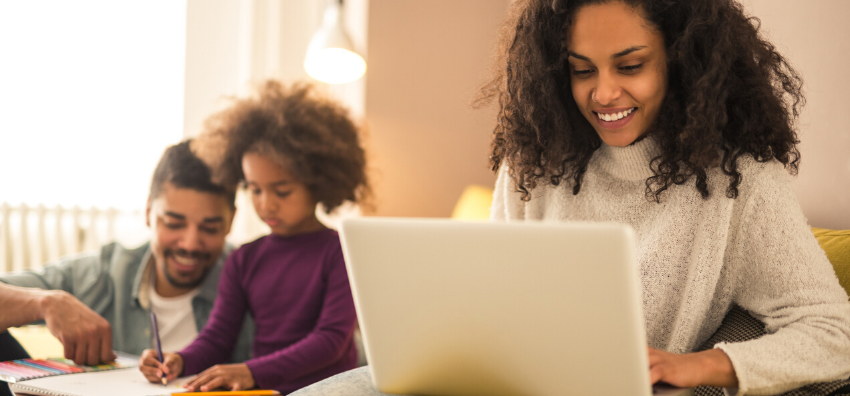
column 462, row 308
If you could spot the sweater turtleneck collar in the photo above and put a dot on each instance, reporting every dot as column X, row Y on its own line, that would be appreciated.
column 630, row 162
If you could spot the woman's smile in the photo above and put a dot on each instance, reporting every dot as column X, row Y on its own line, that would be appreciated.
column 614, row 118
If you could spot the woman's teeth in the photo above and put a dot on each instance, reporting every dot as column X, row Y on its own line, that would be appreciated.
column 615, row 116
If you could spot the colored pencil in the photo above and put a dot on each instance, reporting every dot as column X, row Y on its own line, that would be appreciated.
column 258, row 392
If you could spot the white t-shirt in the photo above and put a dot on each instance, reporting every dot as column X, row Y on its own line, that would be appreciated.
column 175, row 319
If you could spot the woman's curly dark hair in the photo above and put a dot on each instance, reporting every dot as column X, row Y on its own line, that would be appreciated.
column 730, row 94
column 311, row 136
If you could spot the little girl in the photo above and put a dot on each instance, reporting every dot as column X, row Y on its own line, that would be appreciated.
column 292, row 150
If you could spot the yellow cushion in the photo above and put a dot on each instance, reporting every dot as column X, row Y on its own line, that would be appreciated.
column 836, row 244
column 37, row 341
column 474, row 203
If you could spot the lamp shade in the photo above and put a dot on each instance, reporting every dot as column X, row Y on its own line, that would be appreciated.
column 331, row 57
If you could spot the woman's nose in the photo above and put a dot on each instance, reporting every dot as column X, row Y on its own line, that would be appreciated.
column 607, row 90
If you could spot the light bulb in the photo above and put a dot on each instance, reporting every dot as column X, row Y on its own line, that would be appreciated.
column 335, row 65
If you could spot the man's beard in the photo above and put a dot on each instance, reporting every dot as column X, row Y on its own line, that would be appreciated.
column 182, row 252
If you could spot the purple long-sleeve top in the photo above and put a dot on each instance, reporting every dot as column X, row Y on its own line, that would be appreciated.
column 296, row 289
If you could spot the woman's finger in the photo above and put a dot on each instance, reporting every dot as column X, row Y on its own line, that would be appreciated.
column 655, row 358
column 655, row 374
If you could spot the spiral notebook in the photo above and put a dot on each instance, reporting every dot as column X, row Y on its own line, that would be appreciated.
column 124, row 382
column 60, row 377
column 28, row 369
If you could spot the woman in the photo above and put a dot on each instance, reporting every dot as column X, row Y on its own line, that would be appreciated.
column 675, row 117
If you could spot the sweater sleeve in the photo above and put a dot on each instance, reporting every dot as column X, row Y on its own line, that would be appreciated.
column 325, row 344
column 786, row 281
column 217, row 339
column 506, row 202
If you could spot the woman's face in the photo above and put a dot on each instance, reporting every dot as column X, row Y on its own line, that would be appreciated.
column 618, row 71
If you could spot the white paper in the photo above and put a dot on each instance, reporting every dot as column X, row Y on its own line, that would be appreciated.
column 124, row 382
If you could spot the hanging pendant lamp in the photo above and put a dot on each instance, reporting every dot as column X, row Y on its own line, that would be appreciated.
column 331, row 57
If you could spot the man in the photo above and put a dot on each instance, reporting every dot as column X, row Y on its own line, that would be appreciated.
column 98, row 302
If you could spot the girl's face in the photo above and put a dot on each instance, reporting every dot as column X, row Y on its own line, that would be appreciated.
column 618, row 71
column 280, row 200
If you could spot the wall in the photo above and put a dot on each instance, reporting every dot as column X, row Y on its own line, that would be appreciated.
column 212, row 58
column 813, row 35
column 426, row 59
column 231, row 45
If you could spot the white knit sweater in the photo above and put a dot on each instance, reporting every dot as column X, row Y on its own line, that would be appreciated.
column 699, row 256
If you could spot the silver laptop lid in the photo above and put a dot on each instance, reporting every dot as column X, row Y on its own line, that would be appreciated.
column 454, row 308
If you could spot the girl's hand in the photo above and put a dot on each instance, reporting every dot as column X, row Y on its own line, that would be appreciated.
column 228, row 376
column 710, row 368
column 150, row 366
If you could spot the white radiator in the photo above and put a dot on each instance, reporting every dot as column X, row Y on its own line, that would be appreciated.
column 31, row 236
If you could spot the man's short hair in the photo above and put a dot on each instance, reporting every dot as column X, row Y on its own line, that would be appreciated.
column 180, row 167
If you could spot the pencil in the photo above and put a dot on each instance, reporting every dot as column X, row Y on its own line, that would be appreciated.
column 164, row 379
column 258, row 392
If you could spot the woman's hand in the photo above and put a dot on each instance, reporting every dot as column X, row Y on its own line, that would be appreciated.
column 150, row 366
column 228, row 376
column 709, row 368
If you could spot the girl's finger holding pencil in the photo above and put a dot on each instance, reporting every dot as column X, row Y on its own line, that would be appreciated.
column 173, row 364
column 149, row 366
column 152, row 374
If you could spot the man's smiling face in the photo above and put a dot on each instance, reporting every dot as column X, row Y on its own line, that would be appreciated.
column 188, row 230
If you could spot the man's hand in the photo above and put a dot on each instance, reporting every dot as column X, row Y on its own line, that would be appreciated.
column 152, row 369
column 710, row 368
column 85, row 335
column 228, row 376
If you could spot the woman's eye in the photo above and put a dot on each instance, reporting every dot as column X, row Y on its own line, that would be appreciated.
column 283, row 194
column 582, row 72
column 173, row 226
column 631, row 68
column 255, row 192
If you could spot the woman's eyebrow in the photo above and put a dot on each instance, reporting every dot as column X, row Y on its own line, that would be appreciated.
column 273, row 184
column 577, row 56
column 615, row 56
column 627, row 51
